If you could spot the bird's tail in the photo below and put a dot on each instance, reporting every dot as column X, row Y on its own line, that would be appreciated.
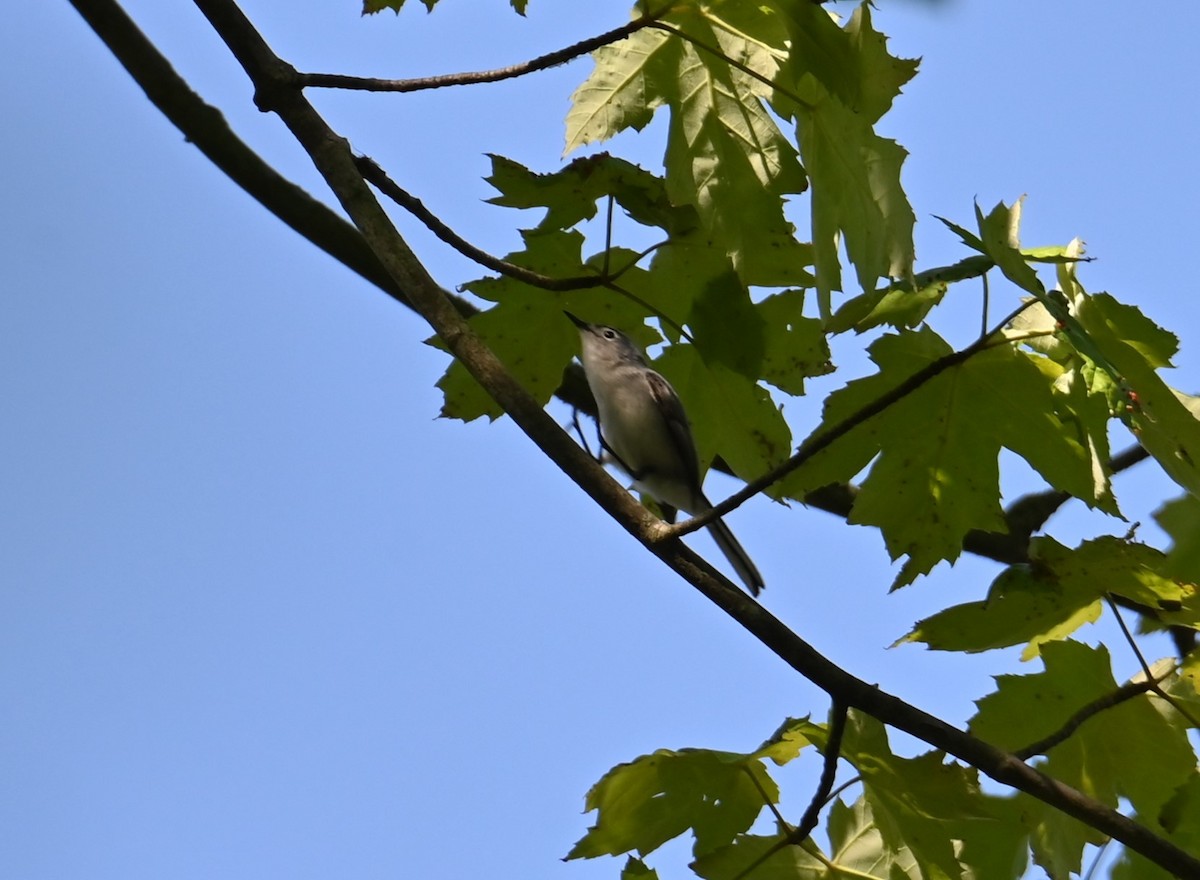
column 737, row 556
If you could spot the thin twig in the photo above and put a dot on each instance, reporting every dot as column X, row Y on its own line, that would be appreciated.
column 1120, row 695
column 808, row 822
column 983, row 318
column 542, row 62
column 375, row 175
column 579, row 431
column 833, row 751
column 782, row 822
column 853, row 780
column 1158, row 691
column 608, row 228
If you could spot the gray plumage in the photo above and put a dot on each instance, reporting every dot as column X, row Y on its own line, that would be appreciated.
column 645, row 429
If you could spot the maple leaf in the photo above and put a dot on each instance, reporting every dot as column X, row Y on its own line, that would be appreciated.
column 725, row 154
column 1060, row 590
column 936, row 476
column 1096, row 758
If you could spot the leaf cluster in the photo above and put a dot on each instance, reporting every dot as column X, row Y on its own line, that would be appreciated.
column 770, row 107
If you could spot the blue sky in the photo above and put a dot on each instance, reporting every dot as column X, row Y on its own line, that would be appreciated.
column 263, row 615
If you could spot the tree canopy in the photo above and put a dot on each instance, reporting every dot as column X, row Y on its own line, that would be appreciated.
column 776, row 233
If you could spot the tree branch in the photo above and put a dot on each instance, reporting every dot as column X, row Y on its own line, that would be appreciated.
column 542, row 62
column 331, row 154
column 205, row 126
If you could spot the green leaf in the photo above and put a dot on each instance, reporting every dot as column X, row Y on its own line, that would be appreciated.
column 856, row 192
column 631, row 79
column 786, row 743
column 1052, row 597
column 636, row 869
column 731, row 415
column 727, row 329
column 1162, row 419
column 905, row 303
column 923, row 805
column 1181, row 520
column 857, row 851
column 896, row 306
column 657, row 797
column 725, row 154
column 788, row 863
column 643, row 804
column 1000, row 233
column 796, row 347
column 1127, row 751
column 370, row 7
column 937, row 474
column 838, row 83
column 858, row 844
column 1179, row 822
column 571, row 194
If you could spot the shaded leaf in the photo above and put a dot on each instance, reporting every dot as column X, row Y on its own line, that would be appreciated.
column 1097, row 758
column 1180, row 519
column 1179, row 821
column 796, row 347
column 570, row 195
column 731, row 415
column 717, row 795
column 937, row 474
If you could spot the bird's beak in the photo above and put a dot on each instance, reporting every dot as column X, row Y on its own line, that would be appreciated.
column 582, row 325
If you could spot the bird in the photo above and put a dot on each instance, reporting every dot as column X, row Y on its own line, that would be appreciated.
column 645, row 430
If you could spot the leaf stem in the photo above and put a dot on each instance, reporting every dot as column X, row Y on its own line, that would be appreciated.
column 1153, row 682
column 808, row 822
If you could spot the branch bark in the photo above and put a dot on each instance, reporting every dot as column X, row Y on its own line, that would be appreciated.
column 275, row 91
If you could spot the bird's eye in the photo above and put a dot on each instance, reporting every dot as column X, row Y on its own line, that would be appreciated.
column 610, row 333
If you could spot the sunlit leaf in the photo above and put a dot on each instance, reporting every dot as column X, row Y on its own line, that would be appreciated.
column 1056, row 593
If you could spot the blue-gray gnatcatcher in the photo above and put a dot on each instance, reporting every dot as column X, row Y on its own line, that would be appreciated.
column 645, row 430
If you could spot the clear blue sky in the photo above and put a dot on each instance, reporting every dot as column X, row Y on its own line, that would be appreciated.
column 262, row 615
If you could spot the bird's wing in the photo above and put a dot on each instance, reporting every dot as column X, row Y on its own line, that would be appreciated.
column 671, row 407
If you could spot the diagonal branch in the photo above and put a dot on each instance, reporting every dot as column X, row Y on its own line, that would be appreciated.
column 331, row 154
